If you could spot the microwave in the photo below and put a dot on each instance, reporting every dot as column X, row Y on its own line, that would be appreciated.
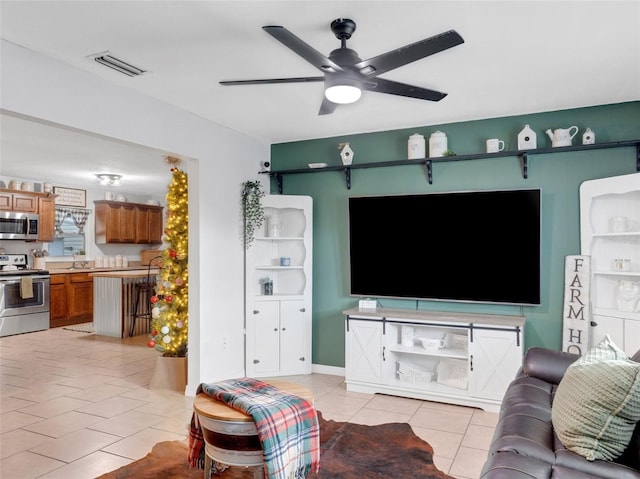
column 19, row 226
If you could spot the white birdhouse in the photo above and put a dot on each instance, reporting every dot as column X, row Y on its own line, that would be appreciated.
column 527, row 139
column 346, row 153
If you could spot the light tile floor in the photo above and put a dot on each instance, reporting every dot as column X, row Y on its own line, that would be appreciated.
column 76, row 405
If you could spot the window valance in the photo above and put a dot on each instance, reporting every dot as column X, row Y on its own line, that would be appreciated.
column 78, row 215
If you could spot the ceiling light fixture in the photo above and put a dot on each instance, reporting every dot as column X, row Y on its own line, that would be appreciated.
column 117, row 64
column 342, row 90
column 109, row 179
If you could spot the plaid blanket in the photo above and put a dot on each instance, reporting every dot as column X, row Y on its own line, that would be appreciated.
column 287, row 426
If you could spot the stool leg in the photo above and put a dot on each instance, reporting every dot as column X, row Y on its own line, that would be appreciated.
column 134, row 316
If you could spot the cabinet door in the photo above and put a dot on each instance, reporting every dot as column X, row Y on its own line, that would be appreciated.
column 364, row 351
column 46, row 210
column 25, row 203
column 142, row 225
column 6, row 201
column 495, row 358
column 128, row 224
column 155, row 225
column 294, row 337
column 80, row 297
column 58, row 300
column 264, row 347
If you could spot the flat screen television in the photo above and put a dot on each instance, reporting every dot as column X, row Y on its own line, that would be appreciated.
column 470, row 246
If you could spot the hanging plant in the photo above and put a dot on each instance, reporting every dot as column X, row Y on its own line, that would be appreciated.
column 252, row 211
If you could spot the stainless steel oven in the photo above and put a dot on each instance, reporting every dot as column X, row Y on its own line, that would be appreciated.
column 24, row 297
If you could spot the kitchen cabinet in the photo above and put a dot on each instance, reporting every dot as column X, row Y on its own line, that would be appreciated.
column 25, row 202
column 119, row 222
column 47, row 212
column 31, row 202
column 148, row 224
column 278, row 320
column 610, row 235
column 457, row 358
column 71, row 299
column 58, row 300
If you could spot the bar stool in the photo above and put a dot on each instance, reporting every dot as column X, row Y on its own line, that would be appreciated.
column 143, row 292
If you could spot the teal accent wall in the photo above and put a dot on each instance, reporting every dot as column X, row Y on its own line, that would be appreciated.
column 559, row 176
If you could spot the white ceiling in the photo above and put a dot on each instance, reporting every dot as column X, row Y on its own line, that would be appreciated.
column 518, row 57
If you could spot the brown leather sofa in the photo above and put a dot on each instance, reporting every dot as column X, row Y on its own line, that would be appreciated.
column 525, row 446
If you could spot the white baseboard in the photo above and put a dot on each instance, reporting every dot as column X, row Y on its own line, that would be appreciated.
column 322, row 369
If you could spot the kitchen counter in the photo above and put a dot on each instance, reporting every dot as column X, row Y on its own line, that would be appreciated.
column 70, row 270
column 130, row 273
column 114, row 296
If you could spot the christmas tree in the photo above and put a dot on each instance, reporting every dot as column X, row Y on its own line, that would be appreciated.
column 169, row 310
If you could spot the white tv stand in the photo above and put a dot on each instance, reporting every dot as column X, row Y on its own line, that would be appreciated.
column 479, row 358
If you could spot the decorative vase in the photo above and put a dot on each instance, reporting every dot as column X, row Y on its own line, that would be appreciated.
column 170, row 373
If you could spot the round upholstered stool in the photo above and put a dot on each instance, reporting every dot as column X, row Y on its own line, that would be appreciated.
column 230, row 436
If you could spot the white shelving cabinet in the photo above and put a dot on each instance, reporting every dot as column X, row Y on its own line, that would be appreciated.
column 278, row 325
column 458, row 358
column 610, row 231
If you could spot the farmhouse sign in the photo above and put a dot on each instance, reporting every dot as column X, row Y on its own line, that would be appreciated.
column 70, row 196
column 577, row 306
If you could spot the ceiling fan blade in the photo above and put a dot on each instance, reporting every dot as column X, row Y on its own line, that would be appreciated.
column 273, row 80
column 409, row 53
column 303, row 49
column 381, row 85
column 327, row 107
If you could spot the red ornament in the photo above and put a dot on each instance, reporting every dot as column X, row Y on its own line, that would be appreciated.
column 168, row 298
column 172, row 253
column 154, row 299
column 151, row 343
column 154, row 333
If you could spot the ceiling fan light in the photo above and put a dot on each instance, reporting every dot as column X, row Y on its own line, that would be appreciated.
column 109, row 179
column 343, row 94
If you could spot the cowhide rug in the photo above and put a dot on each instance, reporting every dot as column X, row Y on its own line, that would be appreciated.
column 348, row 451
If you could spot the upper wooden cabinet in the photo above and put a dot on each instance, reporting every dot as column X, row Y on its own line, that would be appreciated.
column 148, row 224
column 47, row 211
column 22, row 201
column 30, row 202
column 118, row 222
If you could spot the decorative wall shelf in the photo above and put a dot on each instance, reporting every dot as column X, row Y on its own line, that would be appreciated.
column 523, row 156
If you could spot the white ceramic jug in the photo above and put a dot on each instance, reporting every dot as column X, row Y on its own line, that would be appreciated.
column 562, row 136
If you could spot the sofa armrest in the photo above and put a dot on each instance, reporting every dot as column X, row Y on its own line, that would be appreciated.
column 547, row 364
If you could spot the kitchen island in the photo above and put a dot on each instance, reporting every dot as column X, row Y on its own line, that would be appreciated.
column 113, row 299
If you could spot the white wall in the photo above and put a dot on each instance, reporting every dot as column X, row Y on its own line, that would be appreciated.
column 42, row 88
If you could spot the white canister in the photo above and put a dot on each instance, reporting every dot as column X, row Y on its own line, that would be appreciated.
column 119, row 261
column 437, row 144
column 112, row 262
column 108, row 196
column 99, row 262
column 46, row 187
column 15, row 185
column 416, row 147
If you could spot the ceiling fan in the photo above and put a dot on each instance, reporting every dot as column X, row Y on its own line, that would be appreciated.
column 346, row 75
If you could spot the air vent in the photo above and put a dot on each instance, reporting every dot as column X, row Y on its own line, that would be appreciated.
column 106, row 59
